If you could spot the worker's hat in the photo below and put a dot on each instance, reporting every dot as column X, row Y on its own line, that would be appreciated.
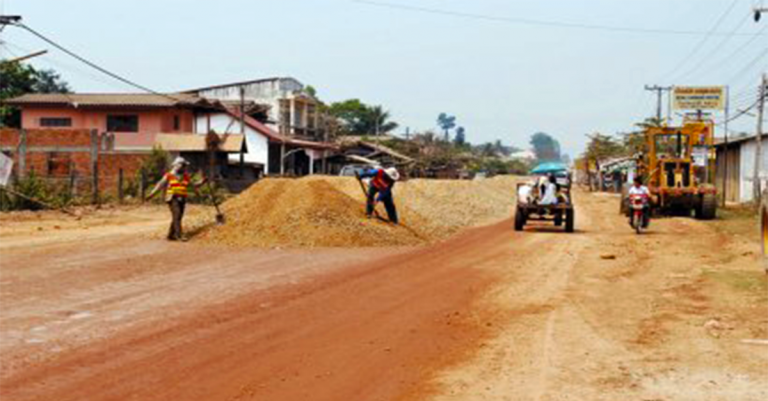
column 180, row 161
column 393, row 173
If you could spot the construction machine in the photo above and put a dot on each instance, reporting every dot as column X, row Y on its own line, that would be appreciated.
column 678, row 166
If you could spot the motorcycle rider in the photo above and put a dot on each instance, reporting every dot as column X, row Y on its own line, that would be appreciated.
column 638, row 189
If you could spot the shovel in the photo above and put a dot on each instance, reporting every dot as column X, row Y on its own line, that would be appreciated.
column 220, row 220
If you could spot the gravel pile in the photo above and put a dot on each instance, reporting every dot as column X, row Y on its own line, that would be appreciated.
column 330, row 212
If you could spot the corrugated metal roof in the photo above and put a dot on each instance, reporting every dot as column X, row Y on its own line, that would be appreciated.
column 196, row 143
column 108, row 100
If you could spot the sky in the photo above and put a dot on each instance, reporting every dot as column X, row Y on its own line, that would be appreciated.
column 502, row 79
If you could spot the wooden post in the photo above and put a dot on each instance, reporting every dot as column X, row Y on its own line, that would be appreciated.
column 95, row 166
column 143, row 185
column 756, row 184
column 71, row 182
column 22, row 153
column 95, row 185
column 120, row 185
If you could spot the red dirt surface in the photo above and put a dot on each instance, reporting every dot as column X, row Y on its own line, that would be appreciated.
column 364, row 331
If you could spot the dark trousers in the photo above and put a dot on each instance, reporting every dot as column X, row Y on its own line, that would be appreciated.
column 176, row 204
column 386, row 198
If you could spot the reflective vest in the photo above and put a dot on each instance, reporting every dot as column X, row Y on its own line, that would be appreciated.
column 177, row 186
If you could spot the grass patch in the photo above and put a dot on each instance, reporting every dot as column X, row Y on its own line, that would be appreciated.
column 740, row 221
column 754, row 282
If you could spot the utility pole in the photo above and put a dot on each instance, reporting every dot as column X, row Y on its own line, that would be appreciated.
column 725, row 153
column 23, row 58
column 659, row 93
column 756, row 184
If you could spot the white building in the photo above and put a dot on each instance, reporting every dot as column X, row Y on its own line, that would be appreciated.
column 267, row 150
column 290, row 141
column 292, row 110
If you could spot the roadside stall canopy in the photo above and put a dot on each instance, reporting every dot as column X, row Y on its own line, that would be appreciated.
column 550, row 167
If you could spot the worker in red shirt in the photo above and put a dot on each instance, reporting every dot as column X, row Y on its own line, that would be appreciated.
column 382, row 182
column 176, row 183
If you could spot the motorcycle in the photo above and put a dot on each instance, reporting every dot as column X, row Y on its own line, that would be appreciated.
column 638, row 216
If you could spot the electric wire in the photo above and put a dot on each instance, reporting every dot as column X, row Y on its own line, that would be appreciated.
column 537, row 22
column 701, row 43
column 703, row 61
column 90, row 63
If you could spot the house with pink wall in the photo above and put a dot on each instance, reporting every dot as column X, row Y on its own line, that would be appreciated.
column 133, row 119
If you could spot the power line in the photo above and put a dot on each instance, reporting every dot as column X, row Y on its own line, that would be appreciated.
column 750, row 65
column 536, row 22
column 731, row 56
column 718, row 46
column 703, row 41
column 90, row 63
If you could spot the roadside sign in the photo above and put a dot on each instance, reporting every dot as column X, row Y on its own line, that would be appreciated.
column 698, row 98
column 6, row 165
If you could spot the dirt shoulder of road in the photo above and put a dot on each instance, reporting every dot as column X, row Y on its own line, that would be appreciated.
column 679, row 313
column 27, row 228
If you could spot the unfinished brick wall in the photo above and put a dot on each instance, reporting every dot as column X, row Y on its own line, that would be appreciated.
column 68, row 157
column 110, row 165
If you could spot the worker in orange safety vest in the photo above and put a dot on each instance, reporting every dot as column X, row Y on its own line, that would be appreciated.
column 176, row 183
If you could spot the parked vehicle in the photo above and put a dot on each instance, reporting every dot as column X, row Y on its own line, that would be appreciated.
column 352, row 170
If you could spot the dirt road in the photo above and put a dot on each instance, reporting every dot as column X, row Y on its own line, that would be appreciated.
column 602, row 314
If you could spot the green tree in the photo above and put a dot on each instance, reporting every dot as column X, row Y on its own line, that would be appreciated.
column 378, row 121
column 359, row 118
column 461, row 137
column 545, row 147
column 446, row 123
column 17, row 79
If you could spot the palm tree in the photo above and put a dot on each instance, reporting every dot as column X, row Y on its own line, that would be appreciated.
column 378, row 121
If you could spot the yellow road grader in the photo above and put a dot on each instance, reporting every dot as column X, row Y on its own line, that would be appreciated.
column 678, row 166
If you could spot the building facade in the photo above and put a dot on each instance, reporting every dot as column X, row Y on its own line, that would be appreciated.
column 292, row 110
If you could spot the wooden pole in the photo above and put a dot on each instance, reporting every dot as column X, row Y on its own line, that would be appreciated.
column 143, row 185
column 95, row 184
column 756, row 184
column 71, row 182
column 120, row 185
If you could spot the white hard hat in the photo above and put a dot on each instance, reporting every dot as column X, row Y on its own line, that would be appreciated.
column 393, row 173
column 179, row 161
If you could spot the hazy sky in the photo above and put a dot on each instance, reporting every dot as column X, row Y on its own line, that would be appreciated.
column 503, row 80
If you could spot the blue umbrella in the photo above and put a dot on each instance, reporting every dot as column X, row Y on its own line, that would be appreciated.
column 551, row 167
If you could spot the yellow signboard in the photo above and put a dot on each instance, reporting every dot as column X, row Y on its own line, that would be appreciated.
column 698, row 98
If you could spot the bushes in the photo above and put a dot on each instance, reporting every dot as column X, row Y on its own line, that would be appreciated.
column 54, row 194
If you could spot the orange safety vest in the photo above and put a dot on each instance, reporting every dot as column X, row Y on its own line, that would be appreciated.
column 177, row 186
column 379, row 182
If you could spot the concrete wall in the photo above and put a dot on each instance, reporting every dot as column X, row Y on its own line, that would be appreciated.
column 221, row 123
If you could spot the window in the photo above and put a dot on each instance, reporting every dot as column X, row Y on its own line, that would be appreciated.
column 176, row 123
column 672, row 146
column 55, row 122
column 126, row 123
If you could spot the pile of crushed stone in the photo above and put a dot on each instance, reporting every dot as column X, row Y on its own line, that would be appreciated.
column 330, row 212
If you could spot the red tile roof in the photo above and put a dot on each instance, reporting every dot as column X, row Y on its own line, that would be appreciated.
column 277, row 137
column 109, row 100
